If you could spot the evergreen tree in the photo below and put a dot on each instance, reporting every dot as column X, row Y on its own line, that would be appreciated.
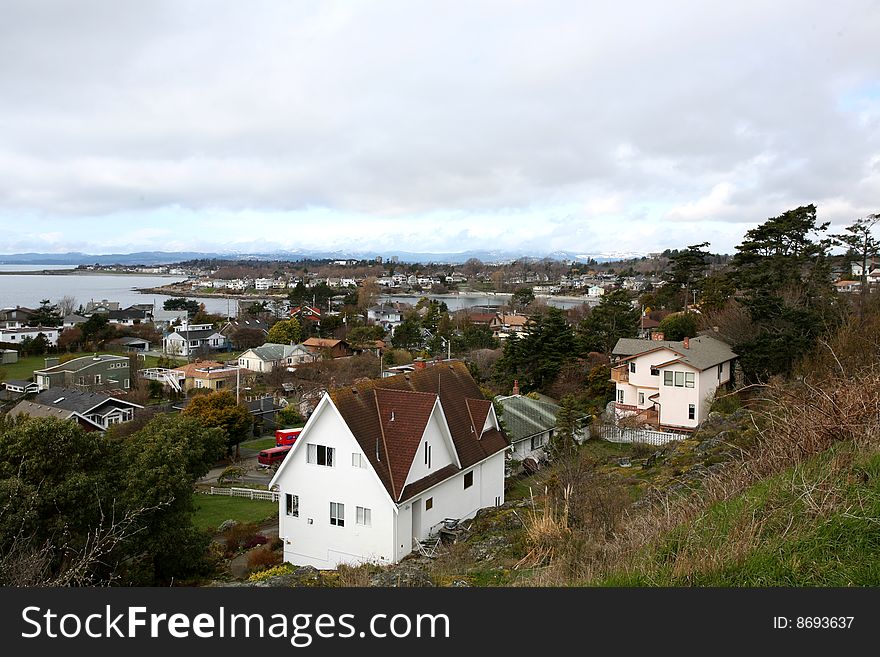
column 783, row 276
column 612, row 319
column 862, row 246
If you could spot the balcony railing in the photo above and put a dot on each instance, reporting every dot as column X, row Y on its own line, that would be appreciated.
column 620, row 374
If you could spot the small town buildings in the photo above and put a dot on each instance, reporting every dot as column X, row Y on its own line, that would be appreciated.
column 269, row 356
column 381, row 466
column 193, row 338
column 503, row 325
column 328, row 347
column 101, row 307
column 233, row 326
column 306, row 312
column 647, row 326
column 100, row 409
column 72, row 320
column 8, row 356
column 86, row 373
column 20, row 334
column 15, row 317
column 668, row 383
column 387, row 315
column 207, row 374
column 530, row 423
column 17, row 387
column 132, row 344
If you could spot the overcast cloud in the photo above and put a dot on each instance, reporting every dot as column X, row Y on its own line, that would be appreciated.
column 431, row 126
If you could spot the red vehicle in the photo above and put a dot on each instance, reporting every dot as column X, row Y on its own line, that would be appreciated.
column 273, row 456
column 286, row 436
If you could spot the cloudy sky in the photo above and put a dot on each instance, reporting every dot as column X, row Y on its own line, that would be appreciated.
column 431, row 126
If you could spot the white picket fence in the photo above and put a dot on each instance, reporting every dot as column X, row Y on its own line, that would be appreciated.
column 615, row 434
column 249, row 493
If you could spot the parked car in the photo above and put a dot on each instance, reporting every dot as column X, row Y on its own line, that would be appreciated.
column 273, row 456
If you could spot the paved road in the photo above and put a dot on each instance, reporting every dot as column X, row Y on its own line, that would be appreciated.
column 255, row 473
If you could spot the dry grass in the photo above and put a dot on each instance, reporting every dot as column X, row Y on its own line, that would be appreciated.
column 795, row 422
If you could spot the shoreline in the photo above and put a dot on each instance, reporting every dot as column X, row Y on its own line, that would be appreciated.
column 190, row 294
column 79, row 272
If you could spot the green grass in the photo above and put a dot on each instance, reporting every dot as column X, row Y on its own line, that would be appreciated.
column 24, row 368
column 792, row 543
column 212, row 510
column 259, row 444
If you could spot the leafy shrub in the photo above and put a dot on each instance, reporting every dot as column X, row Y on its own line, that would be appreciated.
column 254, row 541
column 642, row 450
column 262, row 559
column 275, row 571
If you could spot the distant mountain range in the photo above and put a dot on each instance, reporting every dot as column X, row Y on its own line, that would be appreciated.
column 164, row 257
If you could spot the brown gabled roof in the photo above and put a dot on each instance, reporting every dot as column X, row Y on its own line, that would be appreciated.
column 366, row 409
column 479, row 411
column 323, row 343
column 403, row 414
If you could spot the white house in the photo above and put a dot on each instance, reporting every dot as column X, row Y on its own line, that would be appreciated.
column 380, row 466
column 185, row 340
column 267, row 357
column 17, row 335
column 667, row 383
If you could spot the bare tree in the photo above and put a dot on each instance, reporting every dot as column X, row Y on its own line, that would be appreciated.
column 66, row 305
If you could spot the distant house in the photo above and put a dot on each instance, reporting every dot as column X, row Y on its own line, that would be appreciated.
column 128, row 317
column 15, row 317
column 848, row 286
column 383, row 465
column 388, row 316
column 97, row 407
column 646, row 326
column 15, row 388
column 19, row 335
column 73, row 320
column 503, row 325
column 322, row 346
column 8, row 356
column 267, row 357
column 86, row 373
column 231, row 328
column 669, row 383
column 132, row 344
column 595, row 291
column 194, row 338
column 207, row 374
column 101, row 307
column 311, row 313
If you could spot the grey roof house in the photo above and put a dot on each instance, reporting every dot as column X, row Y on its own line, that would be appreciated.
column 86, row 373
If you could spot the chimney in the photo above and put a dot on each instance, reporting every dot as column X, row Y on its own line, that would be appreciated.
column 419, row 363
column 657, row 335
column 687, row 343
column 515, row 387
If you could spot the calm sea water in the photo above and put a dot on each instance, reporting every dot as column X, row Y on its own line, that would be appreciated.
column 29, row 289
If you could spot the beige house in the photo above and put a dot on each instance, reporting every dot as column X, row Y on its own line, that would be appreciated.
column 669, row 384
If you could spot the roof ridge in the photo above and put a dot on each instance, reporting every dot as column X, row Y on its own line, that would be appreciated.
column 385, row 446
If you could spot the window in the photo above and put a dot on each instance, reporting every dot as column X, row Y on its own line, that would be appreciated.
column 692, row 410
column 429, row 504
column 537, row 441
column 427, row 455
column 358, row 461
column 679, row 379
column 337, row 514
column 82, row 380
column 688, row 379
column 655, row 371
column 632, row 367
column 364, row 516
column 200, row 383
column 641, row 399
column 291, row 503
column 720, row 371
column 320, row 455
column 667, row 378
column 469, row 479
column 620, row 396
column 97, row 379
column 127, row 384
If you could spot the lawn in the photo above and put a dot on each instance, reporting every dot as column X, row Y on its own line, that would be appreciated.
column 259, row 444
column 212, row 510
column 24, row 368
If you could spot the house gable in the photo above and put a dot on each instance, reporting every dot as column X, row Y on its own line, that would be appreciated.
column 325, row 427
column 434, row 451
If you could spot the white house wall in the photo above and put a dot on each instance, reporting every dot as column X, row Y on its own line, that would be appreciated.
column 310, row 539
column 675, row 400
column 452, row 500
